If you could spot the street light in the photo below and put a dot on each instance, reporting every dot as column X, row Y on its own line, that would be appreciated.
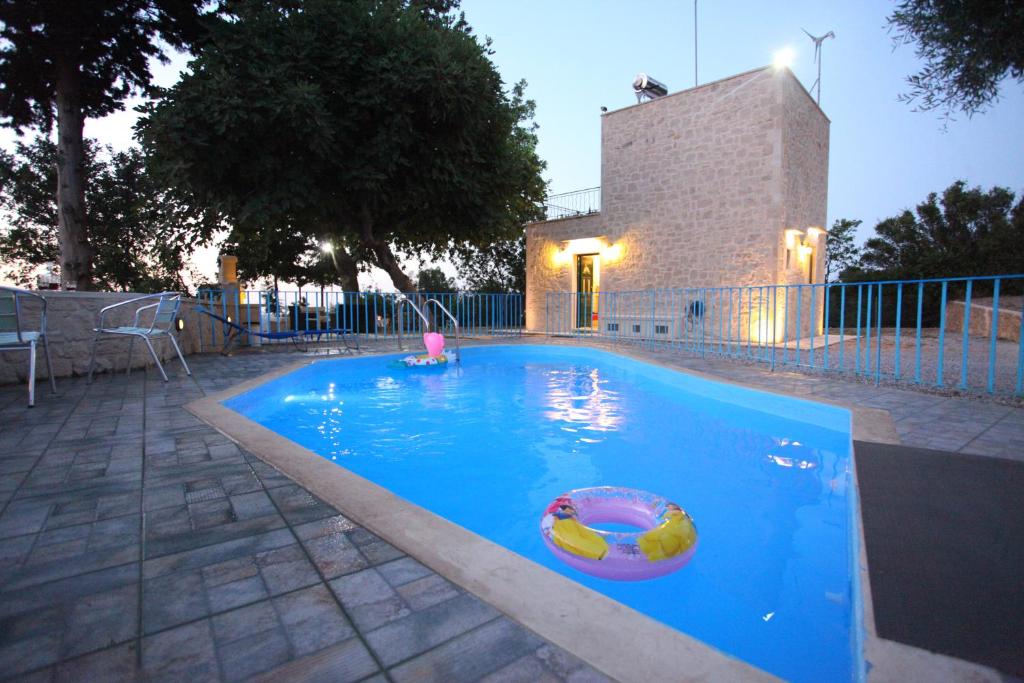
column 327, row 247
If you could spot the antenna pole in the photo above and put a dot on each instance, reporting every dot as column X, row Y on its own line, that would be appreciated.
column 695, row 43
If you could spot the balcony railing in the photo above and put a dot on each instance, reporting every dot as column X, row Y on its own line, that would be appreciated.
column 951, row 333
column 571, row 204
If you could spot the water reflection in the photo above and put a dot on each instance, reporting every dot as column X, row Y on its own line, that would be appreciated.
column 580, row 398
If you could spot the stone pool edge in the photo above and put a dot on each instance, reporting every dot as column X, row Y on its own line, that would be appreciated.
column 584, row 622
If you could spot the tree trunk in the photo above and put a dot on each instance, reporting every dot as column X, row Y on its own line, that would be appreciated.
column 383, row 255
column 75, row 253
column 348, row 270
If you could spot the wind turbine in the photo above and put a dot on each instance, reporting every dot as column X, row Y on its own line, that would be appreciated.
column 818, row 40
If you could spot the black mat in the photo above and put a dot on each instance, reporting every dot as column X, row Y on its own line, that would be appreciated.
column 945, row 543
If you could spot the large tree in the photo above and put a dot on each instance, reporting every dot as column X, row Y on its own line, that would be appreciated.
column 137, row 229
column 379, row 125
column 962, row 232
column 841, row 250
column 75, row 60
column 968, row 48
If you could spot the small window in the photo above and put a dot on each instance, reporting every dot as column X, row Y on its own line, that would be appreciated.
column 636, row 329
column 613, row 327
column 661, row 329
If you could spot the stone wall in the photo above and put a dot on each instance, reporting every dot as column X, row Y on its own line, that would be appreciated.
column 698, row 188
column 71, row 318
column 981, row 319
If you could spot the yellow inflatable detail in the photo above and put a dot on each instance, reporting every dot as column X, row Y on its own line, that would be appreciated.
column 673, row 537
column 573, row 537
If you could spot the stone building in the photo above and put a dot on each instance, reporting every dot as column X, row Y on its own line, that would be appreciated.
column 722, row 185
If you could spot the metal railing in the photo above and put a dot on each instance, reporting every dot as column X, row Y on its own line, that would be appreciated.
column 958, row 333
column 571, row 204
column 327, row 314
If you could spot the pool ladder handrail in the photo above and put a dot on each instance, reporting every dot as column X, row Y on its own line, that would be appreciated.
column 455, row 323
column 402, row 301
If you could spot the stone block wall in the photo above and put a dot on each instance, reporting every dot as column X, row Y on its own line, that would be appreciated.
column 698, row 189
column 71, row 318
column 981, row 319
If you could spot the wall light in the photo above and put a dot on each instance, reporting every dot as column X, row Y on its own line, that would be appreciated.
column 815, row 232
column 611, row 253
column 181, row 324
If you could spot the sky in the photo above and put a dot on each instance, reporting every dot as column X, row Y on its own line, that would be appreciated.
column 578, row 56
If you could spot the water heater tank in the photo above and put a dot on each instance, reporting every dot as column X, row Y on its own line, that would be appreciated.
column 649, row 88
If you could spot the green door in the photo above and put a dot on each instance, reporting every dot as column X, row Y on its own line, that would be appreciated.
column 584, row 290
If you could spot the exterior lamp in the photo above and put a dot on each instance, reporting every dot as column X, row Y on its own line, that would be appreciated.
column 783, row 59
column 611, row 253
column 327, row 247
column 181, row 324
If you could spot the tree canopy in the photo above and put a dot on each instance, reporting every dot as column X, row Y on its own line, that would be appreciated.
column 968, row 48
column 137, row 233
column 72, row 60
column 962, row 232
column 841, row 250
column 380, row 126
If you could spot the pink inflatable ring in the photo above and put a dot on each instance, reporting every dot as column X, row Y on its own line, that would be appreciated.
column 665, row 542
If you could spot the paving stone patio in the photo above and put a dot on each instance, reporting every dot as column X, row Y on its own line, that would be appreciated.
column 137, row 543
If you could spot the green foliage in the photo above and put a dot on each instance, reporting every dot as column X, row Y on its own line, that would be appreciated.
column 135, row 229
column 498, row 267
column 434, row 281
column 380, row 125
column 968, row 47
column 963, row 232
column 841, row 251
column 105, row 45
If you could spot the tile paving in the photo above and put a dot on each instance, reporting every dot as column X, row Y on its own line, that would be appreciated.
column 137, row 543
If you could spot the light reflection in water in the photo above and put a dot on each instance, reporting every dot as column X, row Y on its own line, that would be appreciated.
column 578, row 398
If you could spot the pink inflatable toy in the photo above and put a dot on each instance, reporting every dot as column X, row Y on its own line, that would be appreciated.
column 434, row 341
column 665, row 542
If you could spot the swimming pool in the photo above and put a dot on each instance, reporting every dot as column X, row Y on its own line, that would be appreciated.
column 489, row 445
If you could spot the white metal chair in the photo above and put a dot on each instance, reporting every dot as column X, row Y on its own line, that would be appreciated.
column 14, row 336
column 165, row 311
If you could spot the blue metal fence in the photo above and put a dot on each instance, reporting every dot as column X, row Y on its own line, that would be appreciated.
column 960, row 333
column 370, row 315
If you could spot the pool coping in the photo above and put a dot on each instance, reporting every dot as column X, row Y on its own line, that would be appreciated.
column 578, row 619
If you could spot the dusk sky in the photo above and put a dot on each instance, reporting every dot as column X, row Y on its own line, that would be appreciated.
column 579, row 56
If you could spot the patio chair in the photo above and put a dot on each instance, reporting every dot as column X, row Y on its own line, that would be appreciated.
column 233, row 331
column 165, row 310
column 14, row 336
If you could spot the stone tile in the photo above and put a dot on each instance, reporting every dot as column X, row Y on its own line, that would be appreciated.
column 29, row 654
column 334, row 555
column 254, row 654
column 470, row 656
column 285, row 569
column 337, row 524
column 300, row 506
column 23, row 517
column 101, row 620
column 220, row 552
column 172, row 599
column 179, row 541
column 346, row 662
column 430, row 590
column 244, row 622
column 113, row 664
column 423, row 630
column 312, row 619
column 380, row 552
column 403, row 571
column 254, row 504
column 526, row 669
column 211, row 513
column 185, row 653
column 369, row 600
column 66, row 591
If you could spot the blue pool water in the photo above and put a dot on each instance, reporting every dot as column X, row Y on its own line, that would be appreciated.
column 767, row 479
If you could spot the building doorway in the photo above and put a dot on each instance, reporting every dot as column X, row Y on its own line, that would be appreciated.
column 588, row 278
